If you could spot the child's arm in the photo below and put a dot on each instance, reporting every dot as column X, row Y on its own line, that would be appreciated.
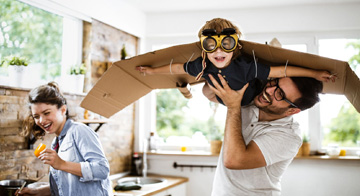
column 175, row 68
column 291, row 71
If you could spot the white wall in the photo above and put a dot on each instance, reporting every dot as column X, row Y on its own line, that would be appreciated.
column 256, row 23
column 303, row 177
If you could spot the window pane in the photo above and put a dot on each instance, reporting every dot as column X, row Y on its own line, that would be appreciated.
column 34, row 33
column 339, row 119
column 178, row 116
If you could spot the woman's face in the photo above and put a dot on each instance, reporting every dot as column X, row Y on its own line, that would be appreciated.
column 49, row 117
column 220, row 58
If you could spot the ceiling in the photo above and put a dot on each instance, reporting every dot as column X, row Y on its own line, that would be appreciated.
column 153, row 6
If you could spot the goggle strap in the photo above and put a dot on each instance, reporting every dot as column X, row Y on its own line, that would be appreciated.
column 255, row 63
column 203, row 55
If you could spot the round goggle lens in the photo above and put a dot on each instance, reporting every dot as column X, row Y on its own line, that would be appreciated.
column 228, row 43
column 209, row 44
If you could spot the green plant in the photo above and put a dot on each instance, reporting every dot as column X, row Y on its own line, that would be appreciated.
column 215, row 133
column 14, row 60
column 78, row 69
column 123, row 52
column 305, row 138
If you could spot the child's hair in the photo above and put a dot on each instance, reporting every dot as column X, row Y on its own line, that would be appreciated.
column 219, row 24
column 48, row 94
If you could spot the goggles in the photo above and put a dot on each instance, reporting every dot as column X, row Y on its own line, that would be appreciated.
column 227, row 40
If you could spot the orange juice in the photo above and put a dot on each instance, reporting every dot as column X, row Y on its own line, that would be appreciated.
column 39, row 149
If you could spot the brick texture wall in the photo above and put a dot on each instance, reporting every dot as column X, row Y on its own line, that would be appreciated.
column 18, row 162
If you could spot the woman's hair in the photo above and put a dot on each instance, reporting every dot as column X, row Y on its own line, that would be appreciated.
column 220, row 24
column 48, row 94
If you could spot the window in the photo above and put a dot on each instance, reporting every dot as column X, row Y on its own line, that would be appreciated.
column 339, row 119
column 40, row 36
column 188, row 122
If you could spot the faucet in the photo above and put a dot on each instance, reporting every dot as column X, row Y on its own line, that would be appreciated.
column 144, row 171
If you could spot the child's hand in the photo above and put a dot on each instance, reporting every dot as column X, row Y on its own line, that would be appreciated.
column 325, row 76
column 145, row 70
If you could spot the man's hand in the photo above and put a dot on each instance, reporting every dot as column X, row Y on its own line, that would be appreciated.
column 231, row 98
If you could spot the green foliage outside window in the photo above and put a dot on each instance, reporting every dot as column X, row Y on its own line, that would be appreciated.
column 171, row 119
column 32, row 32
column 345, row 128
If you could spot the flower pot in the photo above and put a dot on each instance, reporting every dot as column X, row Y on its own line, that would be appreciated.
column 215, row 146
column 16, row 75
column 306, row 149
column 76, row 83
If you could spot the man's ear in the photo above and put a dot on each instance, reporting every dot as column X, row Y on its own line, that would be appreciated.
column 292, row 111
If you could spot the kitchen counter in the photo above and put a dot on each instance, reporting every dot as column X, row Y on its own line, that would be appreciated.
column 146, row 190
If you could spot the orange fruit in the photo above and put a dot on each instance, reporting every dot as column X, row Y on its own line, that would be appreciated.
column 39, row 149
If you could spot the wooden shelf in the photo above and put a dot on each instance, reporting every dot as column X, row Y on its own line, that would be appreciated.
column 94, row 121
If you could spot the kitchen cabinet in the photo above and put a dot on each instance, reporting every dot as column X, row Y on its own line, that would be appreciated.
column 179, row 190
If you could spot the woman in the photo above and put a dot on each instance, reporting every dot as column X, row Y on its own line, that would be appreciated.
column 78, row 163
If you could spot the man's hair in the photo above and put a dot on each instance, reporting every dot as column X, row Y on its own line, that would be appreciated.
column 309, row 89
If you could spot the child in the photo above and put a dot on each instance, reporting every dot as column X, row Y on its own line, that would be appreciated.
column 221, row 55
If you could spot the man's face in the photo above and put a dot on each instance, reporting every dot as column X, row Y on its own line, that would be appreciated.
column 266, row 101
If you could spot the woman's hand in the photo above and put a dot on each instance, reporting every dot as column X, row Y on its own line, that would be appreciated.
column 41, row 191
column 231, row 98
column 50, row 157
column 27, row 191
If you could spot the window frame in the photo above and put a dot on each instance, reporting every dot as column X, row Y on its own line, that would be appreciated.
column 72, row 35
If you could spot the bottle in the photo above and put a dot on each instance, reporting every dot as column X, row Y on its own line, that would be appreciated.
column 152, row 142
column 136, row 164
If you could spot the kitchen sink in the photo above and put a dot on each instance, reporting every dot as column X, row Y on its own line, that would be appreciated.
column 142, row 180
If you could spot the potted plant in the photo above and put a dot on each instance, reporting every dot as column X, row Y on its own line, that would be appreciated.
column 123, row 52
column 215, row 139
column 215, row 133
column 16, row 68
column 77, row 75
column 305, row 146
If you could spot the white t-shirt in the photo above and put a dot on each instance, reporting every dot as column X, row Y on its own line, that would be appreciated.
column 279, row 142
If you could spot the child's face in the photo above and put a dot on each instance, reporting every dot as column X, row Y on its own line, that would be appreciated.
column 220, row 58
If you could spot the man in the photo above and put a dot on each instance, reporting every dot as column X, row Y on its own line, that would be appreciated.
column 261, row 139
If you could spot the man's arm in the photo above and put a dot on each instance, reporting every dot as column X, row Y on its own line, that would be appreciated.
column 175, row 68
column 236, row 154
column 292, row 71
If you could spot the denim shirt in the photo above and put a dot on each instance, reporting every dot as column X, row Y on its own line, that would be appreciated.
column 80, row 144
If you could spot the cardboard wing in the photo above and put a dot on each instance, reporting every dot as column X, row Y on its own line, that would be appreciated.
column 121, row 84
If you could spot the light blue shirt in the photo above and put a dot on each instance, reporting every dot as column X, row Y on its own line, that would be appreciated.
column 80, row 144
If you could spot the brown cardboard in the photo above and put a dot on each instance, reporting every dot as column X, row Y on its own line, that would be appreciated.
column 121, row 84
